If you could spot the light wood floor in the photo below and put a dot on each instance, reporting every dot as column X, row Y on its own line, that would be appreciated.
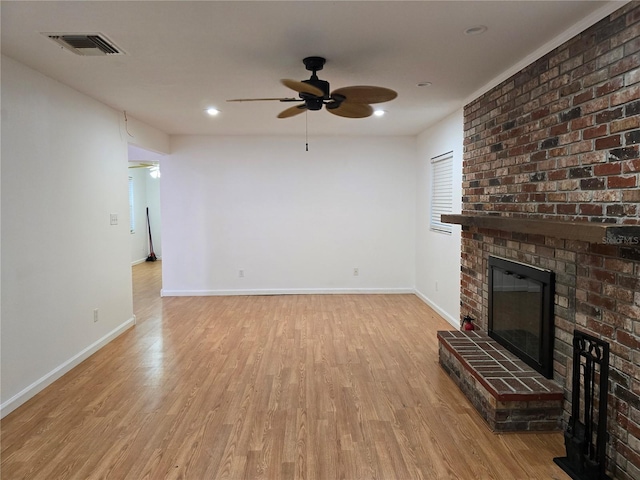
column 278, row 387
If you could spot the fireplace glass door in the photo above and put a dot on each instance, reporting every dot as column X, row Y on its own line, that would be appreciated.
column 521, row 311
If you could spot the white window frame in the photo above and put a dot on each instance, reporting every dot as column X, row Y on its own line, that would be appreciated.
column 441, row 192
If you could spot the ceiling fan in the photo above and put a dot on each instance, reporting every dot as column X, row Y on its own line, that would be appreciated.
column 143, row 165
column 154, row 168
column 349, row 102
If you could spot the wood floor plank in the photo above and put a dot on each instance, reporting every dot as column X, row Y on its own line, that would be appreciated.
column 314, row 387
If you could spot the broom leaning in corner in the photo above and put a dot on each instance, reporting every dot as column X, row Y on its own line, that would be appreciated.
column 152, row 256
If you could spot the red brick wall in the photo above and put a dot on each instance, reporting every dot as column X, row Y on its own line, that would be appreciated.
column 561, row 139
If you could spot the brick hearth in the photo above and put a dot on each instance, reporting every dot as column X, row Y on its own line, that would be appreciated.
column 508, row 394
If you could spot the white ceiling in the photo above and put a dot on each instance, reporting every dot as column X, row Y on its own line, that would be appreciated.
column 184, row 56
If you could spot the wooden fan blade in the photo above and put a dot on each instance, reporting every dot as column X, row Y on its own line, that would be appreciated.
column 351, row 110
column 291, row 111
column 264, row 99
column 302, row 87
column 365, row 94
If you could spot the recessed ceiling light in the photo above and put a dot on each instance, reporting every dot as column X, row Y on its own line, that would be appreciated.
column 379, row 113
column 424, row 84
column 212, row 111
column 475, row 30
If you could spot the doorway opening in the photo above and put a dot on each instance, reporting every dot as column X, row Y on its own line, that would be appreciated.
column 144, row 174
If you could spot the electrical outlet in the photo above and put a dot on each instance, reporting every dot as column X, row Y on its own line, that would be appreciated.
column 356, row 272
column 113, row 218
column 240, row 273
column 95, row 315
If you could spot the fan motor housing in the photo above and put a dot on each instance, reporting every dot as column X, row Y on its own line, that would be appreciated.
column 321, row 84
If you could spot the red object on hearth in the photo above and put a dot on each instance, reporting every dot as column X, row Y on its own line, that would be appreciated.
column 467, row 323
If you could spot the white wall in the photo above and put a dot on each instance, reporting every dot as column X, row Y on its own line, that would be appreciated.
column 142, row 137
column 438, row 254
column 64, row 171
column 293, row 221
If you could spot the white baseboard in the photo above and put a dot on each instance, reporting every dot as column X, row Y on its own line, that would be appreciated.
column 40, row 384
column 284, row 291
column 453, row 321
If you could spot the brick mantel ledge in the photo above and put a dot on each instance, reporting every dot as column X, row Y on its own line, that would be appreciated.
column 613, row 234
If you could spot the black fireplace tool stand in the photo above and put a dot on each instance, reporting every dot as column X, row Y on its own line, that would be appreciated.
column 585, row 437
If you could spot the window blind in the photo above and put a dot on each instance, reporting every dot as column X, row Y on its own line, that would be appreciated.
column 441, row 191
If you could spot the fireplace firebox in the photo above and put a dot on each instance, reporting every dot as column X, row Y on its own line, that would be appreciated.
column 521, row 311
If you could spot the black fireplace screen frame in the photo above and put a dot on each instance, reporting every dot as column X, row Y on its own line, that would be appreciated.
column 546, row 279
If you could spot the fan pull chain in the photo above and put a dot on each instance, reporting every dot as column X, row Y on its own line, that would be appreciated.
column 306, row 130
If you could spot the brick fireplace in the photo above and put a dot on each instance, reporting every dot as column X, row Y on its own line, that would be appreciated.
column 551, row 178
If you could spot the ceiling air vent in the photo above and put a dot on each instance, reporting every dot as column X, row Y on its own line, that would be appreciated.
column 85, row 44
